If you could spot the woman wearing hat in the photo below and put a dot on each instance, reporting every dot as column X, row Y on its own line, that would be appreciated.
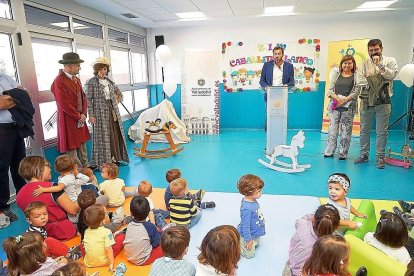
column 103, row 97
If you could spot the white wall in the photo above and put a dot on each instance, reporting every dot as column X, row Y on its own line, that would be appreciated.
column 395, row 29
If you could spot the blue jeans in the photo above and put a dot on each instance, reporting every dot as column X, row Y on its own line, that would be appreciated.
column 160, row 216
column 194, row 219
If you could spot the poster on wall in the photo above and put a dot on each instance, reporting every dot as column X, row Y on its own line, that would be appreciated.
column 241, row 63
column 200, row 98
column 336, row 50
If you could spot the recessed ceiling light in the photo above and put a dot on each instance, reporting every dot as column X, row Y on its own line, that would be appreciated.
column 375, row 5
column 190, row 15
column 278, row 10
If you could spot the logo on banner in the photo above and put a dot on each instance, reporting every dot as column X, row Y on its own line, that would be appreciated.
column 201, row 82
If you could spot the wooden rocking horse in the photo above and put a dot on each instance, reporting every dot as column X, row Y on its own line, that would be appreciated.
column 160, row 153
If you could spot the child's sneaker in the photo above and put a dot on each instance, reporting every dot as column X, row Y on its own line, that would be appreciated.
column 167, row 226
column 200, row 194
column 74, row 253
column 120, row 269
column 118, row 216
column 207, row 204
column 407, row 207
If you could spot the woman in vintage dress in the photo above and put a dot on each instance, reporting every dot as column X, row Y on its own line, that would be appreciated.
column 103, row 96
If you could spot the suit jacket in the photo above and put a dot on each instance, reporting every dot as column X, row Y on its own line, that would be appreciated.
column 66, row 92
column 266, row 78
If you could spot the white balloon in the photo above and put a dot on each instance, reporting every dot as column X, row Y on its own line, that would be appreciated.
column 163, row 54
column 169, row 88
column 407, row 74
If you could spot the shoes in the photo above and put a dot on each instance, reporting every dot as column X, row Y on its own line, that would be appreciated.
column 165, row 227
column 400, row 212
column 75, row 253
column 12, row 216
column 362, row 271
column 328, row 155
column 380, row 163
column 405, row 206
column 342, row 157
column 361, row 159
column 207, row 205
column 120, row 269
column 408, row 219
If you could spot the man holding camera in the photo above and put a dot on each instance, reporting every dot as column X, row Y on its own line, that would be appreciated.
column 379, row 71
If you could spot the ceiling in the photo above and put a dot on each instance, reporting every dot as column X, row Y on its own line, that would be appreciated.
column 161, row 13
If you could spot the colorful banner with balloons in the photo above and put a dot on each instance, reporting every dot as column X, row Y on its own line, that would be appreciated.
column 242, row 63
column 336, row 50
column 200, row 97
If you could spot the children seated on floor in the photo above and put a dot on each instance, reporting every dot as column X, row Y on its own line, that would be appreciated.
column 113, row 187
column 390, row 237
column 37, row 217
column 338, row 187
column 26, row 256
column 330, row 256
column 144, row 189
column 183, row 210
column 142, row 240
column 252, row 225
column 220, row 252
column 174, row 244
column 308, row 229
column 101, row 247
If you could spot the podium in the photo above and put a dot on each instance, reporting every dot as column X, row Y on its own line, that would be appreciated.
column 276, row 113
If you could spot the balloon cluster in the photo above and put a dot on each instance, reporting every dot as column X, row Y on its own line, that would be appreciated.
column 163, row 56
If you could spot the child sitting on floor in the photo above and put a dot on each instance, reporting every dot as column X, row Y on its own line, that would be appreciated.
column 330, row 256
column 113, row 187
column 100, row 245
column 183, row 210
column 252, row 225
column 220, row 252
column 174, row 244
column 338, row 187
column 142, row 240
column 144, row 189
column 390, row 237
column 308, row 229
column 37, row 217
column 26, row 256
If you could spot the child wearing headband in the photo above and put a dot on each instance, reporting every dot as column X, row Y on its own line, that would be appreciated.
column 338, row 187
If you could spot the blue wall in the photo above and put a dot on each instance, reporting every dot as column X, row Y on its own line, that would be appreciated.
column 246, row 109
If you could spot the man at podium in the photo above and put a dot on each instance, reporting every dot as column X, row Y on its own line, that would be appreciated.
column 277, row 72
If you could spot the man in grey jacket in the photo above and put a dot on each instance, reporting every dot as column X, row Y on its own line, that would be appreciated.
column 379, row 71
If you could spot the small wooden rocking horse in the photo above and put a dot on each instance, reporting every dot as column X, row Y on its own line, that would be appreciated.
column 291, row 152
column 154, row 129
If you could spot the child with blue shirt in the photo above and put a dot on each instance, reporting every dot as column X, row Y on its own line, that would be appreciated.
column 252, row 225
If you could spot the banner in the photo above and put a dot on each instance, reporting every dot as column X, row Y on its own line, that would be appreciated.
column 242, row 63
column 200, row 96
column 336, row 50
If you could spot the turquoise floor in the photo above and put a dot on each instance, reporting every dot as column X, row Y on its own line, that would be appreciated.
column 216, row 162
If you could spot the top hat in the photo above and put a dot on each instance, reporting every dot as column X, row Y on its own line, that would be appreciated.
column 102, row 60
column 70, row 58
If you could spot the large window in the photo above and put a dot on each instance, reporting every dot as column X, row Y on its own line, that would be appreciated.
column 5, row 9
column 6, row 56
column 85, row 28
column 47, row 65
column 45, row 18
column 120, row 66
column 89, row 55
column 139, row 70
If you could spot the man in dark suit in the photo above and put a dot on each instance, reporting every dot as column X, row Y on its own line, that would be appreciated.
column 277, row 72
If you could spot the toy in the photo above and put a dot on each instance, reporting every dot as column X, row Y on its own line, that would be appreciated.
column 291, row 152
column 406, row 153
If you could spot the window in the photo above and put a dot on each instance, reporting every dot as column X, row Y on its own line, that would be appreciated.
column 5, row 9
column 39, row 17
column 117, row 36
column 120, row 66
column 141, row 99
column 49, row 118
column 135, row 40
column 127, row 102
column 89, row 55
column 6, row 57
column 139, row 67
column 47, row 65
column 88, row 29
